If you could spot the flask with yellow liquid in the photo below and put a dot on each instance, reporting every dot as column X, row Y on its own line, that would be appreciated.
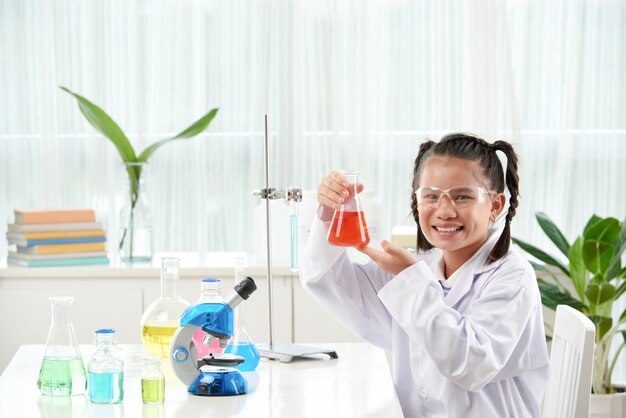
column 161, row 318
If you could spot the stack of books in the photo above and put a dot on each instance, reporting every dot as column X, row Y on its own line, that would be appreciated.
column 65, row 237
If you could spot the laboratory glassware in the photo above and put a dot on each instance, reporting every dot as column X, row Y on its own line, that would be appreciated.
column 241, row 344
column 62, row 371
column 348, row 227
column 105, row 370
column 284, row 352
column 161, row 318
column 152, row 382
column 209, row 293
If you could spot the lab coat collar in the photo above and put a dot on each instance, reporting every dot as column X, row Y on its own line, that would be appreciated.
column 472, row 268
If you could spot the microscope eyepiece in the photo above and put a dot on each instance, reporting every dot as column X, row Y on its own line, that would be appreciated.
column 245, row 288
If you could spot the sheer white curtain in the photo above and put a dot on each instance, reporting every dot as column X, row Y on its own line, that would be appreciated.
column 347, row 84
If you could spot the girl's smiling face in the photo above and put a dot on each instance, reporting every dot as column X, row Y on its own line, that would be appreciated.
column 459, row 232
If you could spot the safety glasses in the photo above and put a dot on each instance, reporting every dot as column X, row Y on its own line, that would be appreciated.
column 460, row 196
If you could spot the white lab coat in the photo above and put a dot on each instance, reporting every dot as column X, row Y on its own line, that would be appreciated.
column 478, row 352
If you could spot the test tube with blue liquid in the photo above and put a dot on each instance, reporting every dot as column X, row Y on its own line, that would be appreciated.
column 293, row 214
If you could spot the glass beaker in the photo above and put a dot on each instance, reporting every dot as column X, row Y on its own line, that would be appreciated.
column 62, row 371
column 348, row 227
column 161, row 319
column 209, row 293
column 241, row 344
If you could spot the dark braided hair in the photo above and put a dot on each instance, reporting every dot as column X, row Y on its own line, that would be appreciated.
column 469, row 147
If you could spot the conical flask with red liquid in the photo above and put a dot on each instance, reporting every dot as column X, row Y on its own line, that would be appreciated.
column 348, row 227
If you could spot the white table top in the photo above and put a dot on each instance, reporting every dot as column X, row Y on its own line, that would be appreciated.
column 358, row 384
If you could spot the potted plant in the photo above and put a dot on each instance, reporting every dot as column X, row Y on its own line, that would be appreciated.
column 598, row 279
column 134, row 164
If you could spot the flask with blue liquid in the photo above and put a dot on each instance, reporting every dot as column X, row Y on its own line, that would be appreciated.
column 241, row 344
column 105, row 377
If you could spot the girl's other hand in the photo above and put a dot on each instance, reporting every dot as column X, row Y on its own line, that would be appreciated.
column 333, row 192
column 393, row 259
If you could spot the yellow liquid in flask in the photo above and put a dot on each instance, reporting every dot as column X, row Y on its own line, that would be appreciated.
column 157, row 336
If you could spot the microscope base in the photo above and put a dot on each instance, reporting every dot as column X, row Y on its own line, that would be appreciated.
column 286, row 352
column 219, row 381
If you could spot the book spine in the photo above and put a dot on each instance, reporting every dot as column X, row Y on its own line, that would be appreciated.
column 62, row 262
column 63, row 248
column 32, row 242
column 55, row 216
column 56, row 234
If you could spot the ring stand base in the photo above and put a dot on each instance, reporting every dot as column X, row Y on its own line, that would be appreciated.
column 286, row 352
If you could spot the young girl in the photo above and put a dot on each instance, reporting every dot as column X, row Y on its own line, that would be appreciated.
column 462, row 318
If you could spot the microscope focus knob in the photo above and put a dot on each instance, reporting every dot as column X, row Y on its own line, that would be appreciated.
column 180, row 354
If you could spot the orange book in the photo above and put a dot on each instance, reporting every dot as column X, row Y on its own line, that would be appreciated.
column 15, row 236
column 54, row 216
column 62, row 248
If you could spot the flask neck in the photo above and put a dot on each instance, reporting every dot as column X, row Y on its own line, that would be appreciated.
column 210, row 290
column 169, row 278
column 105, row 340
column 212, row 295
column 61, row 310
column 352, row 178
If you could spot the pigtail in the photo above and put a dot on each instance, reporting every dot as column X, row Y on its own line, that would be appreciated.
column 422, row 242
column 512, row 183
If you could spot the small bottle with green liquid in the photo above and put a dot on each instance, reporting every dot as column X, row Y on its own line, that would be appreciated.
column 106, row 370
column 62, row 371
column 152, row 382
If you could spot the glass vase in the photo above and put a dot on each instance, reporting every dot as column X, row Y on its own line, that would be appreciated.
column 135, row 218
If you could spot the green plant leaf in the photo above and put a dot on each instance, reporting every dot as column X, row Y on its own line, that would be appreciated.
column 540, row 255
column 104, row 124
column 620, row 290
column 622, row 317
column 603, row 325
column 591, row 222
column 553, row 232
column 597, row 294
column 193, row 130
column 597, row 256
column 578, row 272
column 619, row 246
column 606, row 231
column 551, row 296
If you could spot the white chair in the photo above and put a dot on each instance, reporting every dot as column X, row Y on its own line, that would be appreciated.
column 571, row 364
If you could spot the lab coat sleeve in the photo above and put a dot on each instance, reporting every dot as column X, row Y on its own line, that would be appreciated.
column 347, row 290
column 473, row 348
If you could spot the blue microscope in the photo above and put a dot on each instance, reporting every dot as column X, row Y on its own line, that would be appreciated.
column 210, row 376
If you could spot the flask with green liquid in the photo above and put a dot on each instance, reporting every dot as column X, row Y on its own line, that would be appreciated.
column 62, row 371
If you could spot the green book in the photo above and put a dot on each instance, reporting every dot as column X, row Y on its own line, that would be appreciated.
column 85, row 261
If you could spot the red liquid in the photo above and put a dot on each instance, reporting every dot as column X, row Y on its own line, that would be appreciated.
column 349, row 229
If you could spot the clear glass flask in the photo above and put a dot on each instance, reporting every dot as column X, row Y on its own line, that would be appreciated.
column 105, row 370
column 348, row 227
column 62, row 371
column 161, row 319
column 209, row 293
column 152, row 382
column 241, row 344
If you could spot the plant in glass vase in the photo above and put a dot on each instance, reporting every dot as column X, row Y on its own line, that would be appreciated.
column 135, row 241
